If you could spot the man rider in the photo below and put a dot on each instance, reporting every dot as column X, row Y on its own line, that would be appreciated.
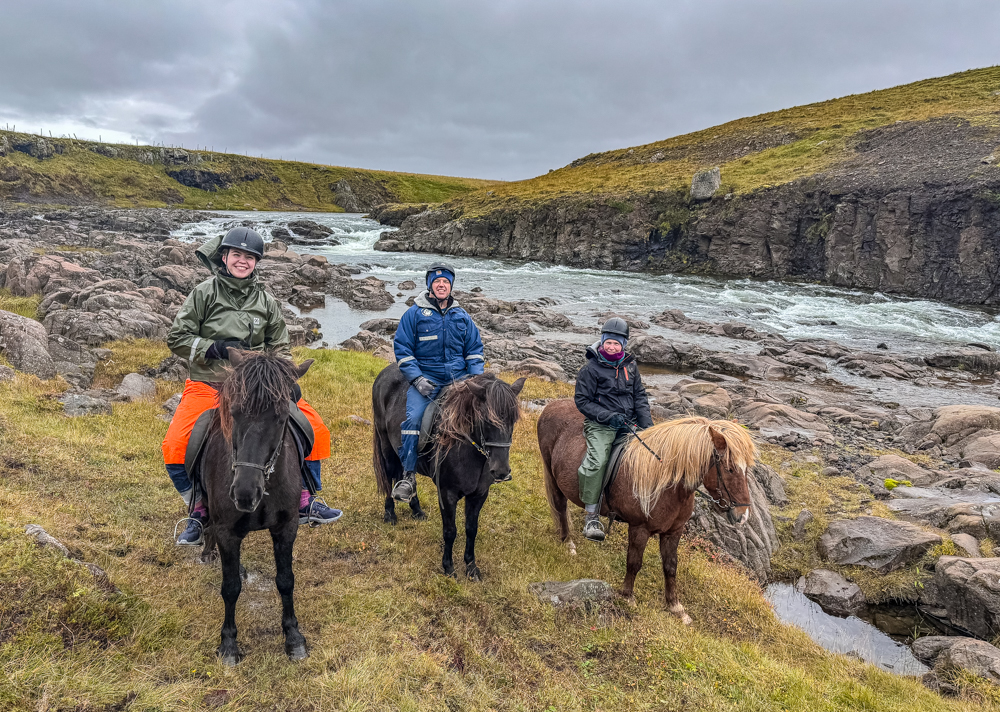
column 230, row 310
column 610, row 394
column 436, row 344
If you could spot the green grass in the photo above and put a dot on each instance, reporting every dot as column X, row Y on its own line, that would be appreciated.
column 25, row 306
column 818, row 135
column 79, row 175
column 385, row 629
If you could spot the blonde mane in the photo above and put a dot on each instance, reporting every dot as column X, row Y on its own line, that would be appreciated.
column 685, row 446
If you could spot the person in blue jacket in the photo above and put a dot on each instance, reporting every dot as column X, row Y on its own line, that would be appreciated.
column 436, row 344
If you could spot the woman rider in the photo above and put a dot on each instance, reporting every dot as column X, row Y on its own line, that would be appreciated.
column 230, row 310
column 610, row 395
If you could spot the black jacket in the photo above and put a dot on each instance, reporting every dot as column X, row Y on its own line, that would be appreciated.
column 603, row 390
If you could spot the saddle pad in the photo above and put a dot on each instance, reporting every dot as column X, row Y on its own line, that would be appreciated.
column 199, row 434
column 298, row 420
column 427, row 427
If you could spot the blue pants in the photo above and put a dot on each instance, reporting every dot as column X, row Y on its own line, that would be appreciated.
column 416, row 404
column 183, row 483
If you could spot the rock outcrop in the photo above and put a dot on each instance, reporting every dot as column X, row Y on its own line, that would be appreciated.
column 881, row 544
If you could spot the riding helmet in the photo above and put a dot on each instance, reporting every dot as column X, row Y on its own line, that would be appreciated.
column 440, row 269
column 243, row 238
column 615, row 325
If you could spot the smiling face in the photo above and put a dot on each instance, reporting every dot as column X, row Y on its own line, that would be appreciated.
column 611, row 346
column 238, row 263
column 441, row 288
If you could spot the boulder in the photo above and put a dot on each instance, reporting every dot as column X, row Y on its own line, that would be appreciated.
column 546, row 370
column 171, row 403
column 834, row 593
column 881, row 544
column 969, row 589
column 136, row 387
column 179, row 277
column 705, row 183
column 24, row 343
column 368, row 294
column 79, row 404
column 804, row 518
column 785, row 424
column 927, row 648
column 967, row 543
column 407, row 285
column 752, row 544
column 585, row 593
column 384, row 326
column 975, row 656
column 93, row 328
column 876, row 472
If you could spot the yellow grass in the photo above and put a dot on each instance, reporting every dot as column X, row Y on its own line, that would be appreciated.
column 386, row 630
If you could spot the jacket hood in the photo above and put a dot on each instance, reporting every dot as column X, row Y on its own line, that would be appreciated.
column 210, row 255
column 592, row 353
column 421, row 300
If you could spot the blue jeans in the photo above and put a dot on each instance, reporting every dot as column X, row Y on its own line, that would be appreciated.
column 182, row 482
column 416, row 404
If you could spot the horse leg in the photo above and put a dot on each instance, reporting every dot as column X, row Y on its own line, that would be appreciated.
column 283, row 539
column 668, row 554
column 473, row 506
column 390, row 509
column 449, row 501
column 558, row 507
column 417, row 511
column 209, row 554
column 637, row 538
column 232, row 584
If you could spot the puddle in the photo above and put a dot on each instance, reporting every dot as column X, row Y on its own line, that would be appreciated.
column 849, row 636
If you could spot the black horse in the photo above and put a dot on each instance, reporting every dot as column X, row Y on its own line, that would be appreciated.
column 471, row 450
column 252, row 480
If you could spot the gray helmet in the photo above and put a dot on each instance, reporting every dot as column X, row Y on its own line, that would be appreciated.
column 243, row 238
column 615, row 325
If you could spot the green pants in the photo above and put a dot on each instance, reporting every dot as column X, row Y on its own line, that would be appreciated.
column 599, row 438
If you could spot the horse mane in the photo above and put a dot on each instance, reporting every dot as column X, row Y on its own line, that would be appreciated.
column 461, row 408
column 685, row 447
column 261, row 382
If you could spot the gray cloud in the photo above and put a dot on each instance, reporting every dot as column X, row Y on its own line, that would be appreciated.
column 506, row 89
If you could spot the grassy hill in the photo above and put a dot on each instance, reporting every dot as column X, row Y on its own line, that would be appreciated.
column 385, row 629
column 67, row 171
column 755, row 152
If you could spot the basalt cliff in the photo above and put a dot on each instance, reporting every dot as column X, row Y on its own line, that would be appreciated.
column 896, row 191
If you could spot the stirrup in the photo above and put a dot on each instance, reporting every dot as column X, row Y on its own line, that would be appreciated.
column 189, row 519
column 309, row 516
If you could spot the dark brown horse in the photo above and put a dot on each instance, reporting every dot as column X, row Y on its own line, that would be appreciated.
column 652, row 496
column 250, row 470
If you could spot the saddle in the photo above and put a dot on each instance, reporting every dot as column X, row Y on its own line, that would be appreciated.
column 611, row 472
column 427, row 424
column 298, row 425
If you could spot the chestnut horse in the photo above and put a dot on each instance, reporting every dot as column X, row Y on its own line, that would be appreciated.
column 653, row 496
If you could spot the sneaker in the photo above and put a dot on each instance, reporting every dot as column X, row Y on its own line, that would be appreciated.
column 316, row 512
column 592, row 527
column 405, row 488
column 192, row 535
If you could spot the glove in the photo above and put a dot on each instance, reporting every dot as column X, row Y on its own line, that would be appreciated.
column 220, row 349
column 424, row 386
column 618, row 421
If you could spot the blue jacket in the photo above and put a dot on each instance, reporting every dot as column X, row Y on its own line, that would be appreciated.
column 443, row 346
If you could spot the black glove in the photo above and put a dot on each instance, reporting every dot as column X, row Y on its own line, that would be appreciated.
column 618, row 421
column 424, row 386
column 220, row 349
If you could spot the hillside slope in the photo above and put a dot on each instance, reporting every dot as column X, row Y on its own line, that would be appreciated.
column 35, row 169
column 896, row 190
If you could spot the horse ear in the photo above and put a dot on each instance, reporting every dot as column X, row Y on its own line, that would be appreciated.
column 517, row 385
column 717, row 439
column 301, row 369
column 236, row 357
column 478, row 390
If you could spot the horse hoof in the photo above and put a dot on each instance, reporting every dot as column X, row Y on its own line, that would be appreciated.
column 243, row 572
column 229, row 659
column 572, row 548
column 678, row 610
column 420, row 516
column 389, row 519
column 208, row 558
column 297, row 652
column 473, row 573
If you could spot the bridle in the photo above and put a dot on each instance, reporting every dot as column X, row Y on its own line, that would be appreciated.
column 725, row 502
column 267, row 469
column 486, row 444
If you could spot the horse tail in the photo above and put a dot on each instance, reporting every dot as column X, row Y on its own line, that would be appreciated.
column 379, row 463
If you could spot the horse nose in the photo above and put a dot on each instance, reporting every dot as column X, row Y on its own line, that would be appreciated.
column 739, row 515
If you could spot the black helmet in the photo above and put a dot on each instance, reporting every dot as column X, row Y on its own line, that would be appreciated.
column 440, row 269
column 243, row 238
column 615, row 325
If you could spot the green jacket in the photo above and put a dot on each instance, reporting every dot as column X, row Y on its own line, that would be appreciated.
column 224, row 307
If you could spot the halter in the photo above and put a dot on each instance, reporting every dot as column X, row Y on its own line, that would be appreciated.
column 484, row 448
column 725, row 502
column 267, row 469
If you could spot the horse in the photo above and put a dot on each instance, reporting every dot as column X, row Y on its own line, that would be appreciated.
column 471, row 450
column 252, row 480
column 653, row 494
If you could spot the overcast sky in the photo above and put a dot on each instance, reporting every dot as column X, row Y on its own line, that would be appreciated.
column 503, row 89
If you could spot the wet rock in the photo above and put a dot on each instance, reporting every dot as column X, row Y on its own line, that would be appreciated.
column 77, row 404
column 973, row 360
column 778, row 422
column 880, row 544
column 926, row 649
column 835, row 594
column 306, row 299
column 136, row 387
column 368, row 294
column 752, row 544
column 24, row 343
column 969, row 589
column 383, row 327
column 585, row 593
column 804, row 518
column 705, row 183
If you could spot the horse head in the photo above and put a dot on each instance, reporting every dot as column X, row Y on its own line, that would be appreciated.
column 726, row 482
column 482, row 411
column 253, row 407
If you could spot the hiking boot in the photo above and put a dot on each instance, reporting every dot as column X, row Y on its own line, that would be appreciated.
column 592, row 527
column 192, row 535
column 316, row 512
column 405, row 488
